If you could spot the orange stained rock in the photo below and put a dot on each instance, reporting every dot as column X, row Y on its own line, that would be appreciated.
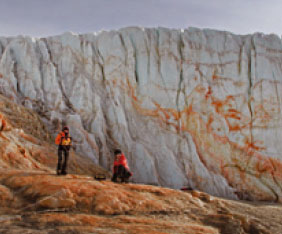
column 208, row 93
column 52, row 191
column 131, row 90
column 230, row 113
column 127, row 224
column 74, row 219
column 253, row 145
column 217, row 152
column 6, row 196
column 214, row 76
column 161, row 110
column 21, row 150
column 127, row 208
column 56, row 202
column 233, row 115
column 3, row 123
column 220, row 104
column 210, row 145
column 29, row 138
column 200, row 89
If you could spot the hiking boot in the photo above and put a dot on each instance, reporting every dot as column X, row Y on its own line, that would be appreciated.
column 59, row 172
column 64, row 173
column 114, row 180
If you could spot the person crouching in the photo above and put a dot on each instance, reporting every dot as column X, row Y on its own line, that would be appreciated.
column 120, row 168
column 64, row 141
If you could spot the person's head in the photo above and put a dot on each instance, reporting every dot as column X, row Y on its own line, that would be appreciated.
column 66, row 130
column 117, row 152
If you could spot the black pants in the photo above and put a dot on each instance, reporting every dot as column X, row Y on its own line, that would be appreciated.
column 62, row 151
column 122, row 173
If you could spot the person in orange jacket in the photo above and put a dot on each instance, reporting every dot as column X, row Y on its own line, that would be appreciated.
column 64, row 142
column 120, row 168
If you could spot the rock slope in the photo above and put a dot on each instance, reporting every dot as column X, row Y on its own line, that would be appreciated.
column 25, row 144
column 198, row 108
column 38, row 202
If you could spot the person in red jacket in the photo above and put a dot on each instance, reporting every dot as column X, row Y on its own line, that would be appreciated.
column 120, row 168
column 64, row 141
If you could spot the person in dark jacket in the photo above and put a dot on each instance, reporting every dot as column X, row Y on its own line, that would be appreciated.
column 120, row 168
column 64, row 142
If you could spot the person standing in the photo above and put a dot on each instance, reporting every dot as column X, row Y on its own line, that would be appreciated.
column 64, row 142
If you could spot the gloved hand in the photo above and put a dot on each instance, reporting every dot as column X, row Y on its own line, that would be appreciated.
column 68, row 147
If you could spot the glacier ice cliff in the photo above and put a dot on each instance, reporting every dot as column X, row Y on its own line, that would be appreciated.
column 198, row 108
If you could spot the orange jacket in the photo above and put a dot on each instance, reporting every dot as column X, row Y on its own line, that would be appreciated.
column 59, row 138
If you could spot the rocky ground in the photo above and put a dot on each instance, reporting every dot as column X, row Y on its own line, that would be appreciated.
column 40, row 202
column 33, row 199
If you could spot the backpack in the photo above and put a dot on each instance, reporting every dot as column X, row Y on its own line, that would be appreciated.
column 66, row 141
column 61, row 140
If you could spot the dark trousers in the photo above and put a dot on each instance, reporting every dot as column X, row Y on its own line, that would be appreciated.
column 122, row 173
column 62, row 151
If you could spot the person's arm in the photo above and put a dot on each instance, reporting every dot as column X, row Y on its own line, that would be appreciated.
column 123, row 161
column 68, row 147
column 115, row 165
column 58, row 139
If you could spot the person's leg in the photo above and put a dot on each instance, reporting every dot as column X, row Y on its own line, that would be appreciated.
column 126, row 175
column 64, row 168
column 121, row 173
column 59, row 165
column 115, row 175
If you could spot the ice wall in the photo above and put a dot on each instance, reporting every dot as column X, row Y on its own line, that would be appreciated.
column 191, row 107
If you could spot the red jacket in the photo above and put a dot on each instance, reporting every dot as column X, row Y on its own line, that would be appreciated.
column 120, row 160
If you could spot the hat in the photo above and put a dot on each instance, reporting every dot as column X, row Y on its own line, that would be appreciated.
column 117, row 151
column 65, row 128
